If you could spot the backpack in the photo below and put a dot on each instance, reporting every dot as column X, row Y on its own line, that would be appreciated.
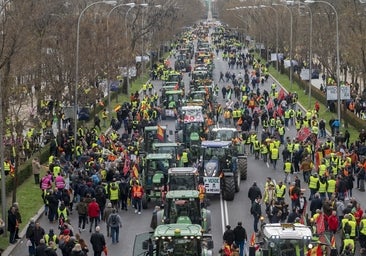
column 114, row 221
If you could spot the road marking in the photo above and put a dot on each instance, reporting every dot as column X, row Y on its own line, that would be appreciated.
column 224, row 214
column 267, row 164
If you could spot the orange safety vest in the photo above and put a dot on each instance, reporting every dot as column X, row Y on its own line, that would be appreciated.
column 202, row 191
column 137, row 192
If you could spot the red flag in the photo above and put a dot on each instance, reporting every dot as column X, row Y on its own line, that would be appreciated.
column 160, row 133
column 270, row 104
column 126, row 166
column 320, row 225
column 281, row 94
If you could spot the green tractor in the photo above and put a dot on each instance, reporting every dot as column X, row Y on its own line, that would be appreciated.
column 174, row 239
column 154, row 176
column 173, row 148
column 190, row 129
column 183, row 206
column 171, row 102
column 151, row 136
column 232, row 134
column 219, row 166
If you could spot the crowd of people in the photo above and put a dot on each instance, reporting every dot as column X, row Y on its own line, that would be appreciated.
column 329, row 166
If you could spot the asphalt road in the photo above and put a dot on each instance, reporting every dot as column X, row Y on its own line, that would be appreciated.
column 223, row 212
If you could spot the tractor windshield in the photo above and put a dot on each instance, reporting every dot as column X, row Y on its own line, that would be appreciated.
column 178, row 247
column 182, row 182
column 214, row 153
column 183, row 208
column 287, row 247
column 224, row 135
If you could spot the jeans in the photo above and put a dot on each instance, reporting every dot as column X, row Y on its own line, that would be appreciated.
column 115, row 234
column 241, row 245
column 256, row 220
column 36, row 178
column 82, row 220
column 92, row 220
column 137, row 203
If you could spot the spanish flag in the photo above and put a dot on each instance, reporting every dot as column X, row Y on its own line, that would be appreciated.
column 160, row 133
column 135, row 171
column 316, row 251
column 333, row 242
column 252, row 240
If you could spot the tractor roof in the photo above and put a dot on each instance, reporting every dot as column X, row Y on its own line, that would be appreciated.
column 287, row 231
column 182, row 170
column 185, row 108
column 159, row 156
column 166, row 144
column 183, row 194
column 215, row 144
column 177, row 230
column 216, row 129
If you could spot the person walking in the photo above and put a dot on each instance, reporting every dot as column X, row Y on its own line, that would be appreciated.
column 82, row 209
column 98, row 242
column 137, row 193
column 254, row 192
column 29, row 235
column 38, row 233
column 93, row 213
column 256, row 211
column 229, row 236
column 107, row 211
column 240, row 237
column 12, row 224
column 36, row 169
column 114, row 223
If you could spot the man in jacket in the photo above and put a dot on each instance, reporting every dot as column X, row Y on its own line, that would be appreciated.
column 256, row 211
column 12, row 224
column 114, row 222
column 240, row 237
column 229, row 236
column 98, row 242
column 82, row 209
column 254, row 192
column 93, row 213
column 107, row 211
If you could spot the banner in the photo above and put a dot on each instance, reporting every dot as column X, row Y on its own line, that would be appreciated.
column 274, row 57
column 304, row 74
column 345, row 92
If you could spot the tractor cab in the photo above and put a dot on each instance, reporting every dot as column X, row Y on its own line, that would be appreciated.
column 287, row 239
column 154, row 176
column 183, row 178
column 151, row 136
column 183, row 206
column 174, row 239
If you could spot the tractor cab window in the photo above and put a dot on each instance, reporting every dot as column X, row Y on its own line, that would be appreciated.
column 180, row 182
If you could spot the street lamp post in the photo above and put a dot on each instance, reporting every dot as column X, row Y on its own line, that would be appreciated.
column 310, row 51
column 338, row 59
column 276, row 12
column 77, row 65
column 291, row 39
column 131, row 5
